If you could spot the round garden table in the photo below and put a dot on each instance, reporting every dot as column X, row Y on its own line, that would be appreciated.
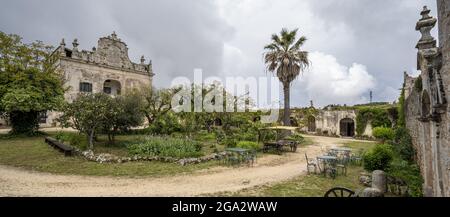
column 327, row 161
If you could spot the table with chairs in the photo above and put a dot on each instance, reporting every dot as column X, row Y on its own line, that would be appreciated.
column 333, row 162
column 239, row 156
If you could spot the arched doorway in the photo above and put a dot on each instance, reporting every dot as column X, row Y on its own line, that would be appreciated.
column 347, row 127
column 112, row 87
column 311, row 124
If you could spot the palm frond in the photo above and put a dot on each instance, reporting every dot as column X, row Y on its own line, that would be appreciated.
column 284, row 57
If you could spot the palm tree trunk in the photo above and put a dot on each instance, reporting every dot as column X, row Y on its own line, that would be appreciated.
column 287, row 110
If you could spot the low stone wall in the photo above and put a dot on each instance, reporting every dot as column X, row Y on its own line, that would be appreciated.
column 109, row 158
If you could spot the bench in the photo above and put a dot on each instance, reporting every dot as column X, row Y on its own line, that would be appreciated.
column 66, row 149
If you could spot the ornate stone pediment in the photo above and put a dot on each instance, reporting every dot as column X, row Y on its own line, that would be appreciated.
column 112, row 51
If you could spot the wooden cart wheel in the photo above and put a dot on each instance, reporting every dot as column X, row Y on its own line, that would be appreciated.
column 339, row 192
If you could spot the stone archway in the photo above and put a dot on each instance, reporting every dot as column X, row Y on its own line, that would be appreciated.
column 112, row 87
column 311, row 124
column 347, row 127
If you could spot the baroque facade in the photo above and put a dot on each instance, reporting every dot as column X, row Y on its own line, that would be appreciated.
column 426, row 102
column 106, row 68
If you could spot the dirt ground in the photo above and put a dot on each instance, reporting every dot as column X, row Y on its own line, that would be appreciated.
column 269, row 169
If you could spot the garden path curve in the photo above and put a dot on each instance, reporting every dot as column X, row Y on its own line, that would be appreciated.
column 270, row 169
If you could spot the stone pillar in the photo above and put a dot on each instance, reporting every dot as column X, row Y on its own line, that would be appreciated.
column 379, row 181
column 444, row 21
column 372, row 192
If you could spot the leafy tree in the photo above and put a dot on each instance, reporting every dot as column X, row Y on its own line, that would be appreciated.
column 124, row 112
column 29, row 82
column 285, row 58
column 88, row 114
column 156, row 102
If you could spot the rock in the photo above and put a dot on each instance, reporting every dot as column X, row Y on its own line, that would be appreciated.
column 365, row 180
column 371, row 192
column 379, row 180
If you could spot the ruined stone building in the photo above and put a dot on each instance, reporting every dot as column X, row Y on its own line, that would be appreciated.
column 106, row 68
column 426, row 102
column 330, row 122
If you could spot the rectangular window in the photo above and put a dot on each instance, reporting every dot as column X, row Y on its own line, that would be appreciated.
column 85, row 87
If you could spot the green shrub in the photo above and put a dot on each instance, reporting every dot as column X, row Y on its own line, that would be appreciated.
column 63, row 136
column 248, row 145
column 378, row 158
column 402, row 144
column 383, row 133
column 378, row 117
column 247, row 136
column 229, row 142
column 205, row 136
column 73, row 139
column 166, row 147
column 164, row 125
column 220, row 135
column 78, row 140
column 410, row 173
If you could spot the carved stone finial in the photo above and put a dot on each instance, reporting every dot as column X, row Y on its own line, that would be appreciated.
column 425, row 12
column 142, row 59
column 75, row 43
column 63, row 43
column 114, row 35
column 425, row 25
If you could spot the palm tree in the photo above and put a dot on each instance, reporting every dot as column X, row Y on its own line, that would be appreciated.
column 285, row 58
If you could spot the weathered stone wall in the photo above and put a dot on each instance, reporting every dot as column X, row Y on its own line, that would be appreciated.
column 444, row 35
column 427, row 110
column 327, row 122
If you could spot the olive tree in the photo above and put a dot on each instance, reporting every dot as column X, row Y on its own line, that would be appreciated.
column 88, row 114
column 124, row 113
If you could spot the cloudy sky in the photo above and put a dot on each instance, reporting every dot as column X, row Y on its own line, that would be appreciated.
column 355, row 45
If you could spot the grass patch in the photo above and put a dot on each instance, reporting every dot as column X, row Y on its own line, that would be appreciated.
column 33, row 153
column 302, row 186
column 360, row 146
column 309, row 185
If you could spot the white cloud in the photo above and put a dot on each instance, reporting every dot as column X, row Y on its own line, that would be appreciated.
column 329, row 82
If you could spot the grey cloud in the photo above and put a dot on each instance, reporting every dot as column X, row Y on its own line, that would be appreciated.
column 180, row 35
column 383, row 32
column 177, row 35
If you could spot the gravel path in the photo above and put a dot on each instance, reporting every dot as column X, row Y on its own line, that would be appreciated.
column 273, row 168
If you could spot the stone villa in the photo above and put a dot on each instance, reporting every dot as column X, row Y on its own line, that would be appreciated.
column 426, row 102
column 106, row 68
